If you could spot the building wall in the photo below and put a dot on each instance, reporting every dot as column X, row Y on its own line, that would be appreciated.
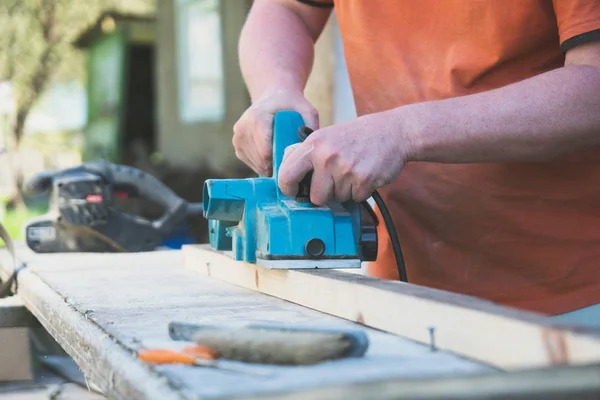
column 209, row 144
column 198, row 144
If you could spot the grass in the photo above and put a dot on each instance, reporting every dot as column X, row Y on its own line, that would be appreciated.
column 14, row 220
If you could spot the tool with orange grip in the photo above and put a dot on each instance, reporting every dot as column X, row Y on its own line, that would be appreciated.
column 192, row 355
column 274, row 343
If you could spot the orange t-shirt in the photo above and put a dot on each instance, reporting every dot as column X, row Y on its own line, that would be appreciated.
column 522, row 234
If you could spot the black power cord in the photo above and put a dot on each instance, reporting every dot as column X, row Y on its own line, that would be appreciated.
column 389, row 224
column 304, row 195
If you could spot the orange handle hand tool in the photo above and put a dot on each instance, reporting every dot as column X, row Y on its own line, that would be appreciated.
column 200, row 352
column 161, row 356
column 189, row 355
column 192, row 355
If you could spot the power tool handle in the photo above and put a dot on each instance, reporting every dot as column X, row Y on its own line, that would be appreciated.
column 303, row 195
column 147, row 185
column 38, row 183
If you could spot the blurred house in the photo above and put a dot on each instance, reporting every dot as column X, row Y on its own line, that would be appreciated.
column 201, row 93
column 165, row 90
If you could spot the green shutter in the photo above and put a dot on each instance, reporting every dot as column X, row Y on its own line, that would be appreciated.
column 106, row 77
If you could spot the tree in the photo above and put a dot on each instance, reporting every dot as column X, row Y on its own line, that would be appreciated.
column 36, row 50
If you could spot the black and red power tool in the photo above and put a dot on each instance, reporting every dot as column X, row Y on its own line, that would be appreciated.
column 85, row 216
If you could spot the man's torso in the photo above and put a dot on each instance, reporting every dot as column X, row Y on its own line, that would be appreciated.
column 527, row 234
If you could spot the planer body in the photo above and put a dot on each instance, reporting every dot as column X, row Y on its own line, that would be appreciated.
column 259, row 224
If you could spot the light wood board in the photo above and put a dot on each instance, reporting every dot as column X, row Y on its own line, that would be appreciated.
column 505, row 338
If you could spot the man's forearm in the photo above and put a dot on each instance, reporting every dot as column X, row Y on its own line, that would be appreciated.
column 276, row 49
column 546, row 116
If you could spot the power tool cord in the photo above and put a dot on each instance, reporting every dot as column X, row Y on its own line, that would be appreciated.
column 393, row 234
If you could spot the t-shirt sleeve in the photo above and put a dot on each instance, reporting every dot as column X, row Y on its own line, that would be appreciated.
column 578, row 22
column 318, row 3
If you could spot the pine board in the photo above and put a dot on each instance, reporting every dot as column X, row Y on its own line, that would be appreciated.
column 506, row 338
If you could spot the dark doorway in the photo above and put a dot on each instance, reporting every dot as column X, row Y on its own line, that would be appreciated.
column 139, row 131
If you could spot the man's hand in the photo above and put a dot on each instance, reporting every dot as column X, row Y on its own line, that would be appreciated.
column 349, row 160
column 253, row 133
column 276, row 56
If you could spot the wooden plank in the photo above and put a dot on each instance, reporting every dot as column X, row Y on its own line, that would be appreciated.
column 15, row 355
column 101, row 308
column 478, row 329
column 15, row 358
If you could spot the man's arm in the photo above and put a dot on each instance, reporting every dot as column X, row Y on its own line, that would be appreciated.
column 276, row 52
column 540, row 118
column 276, row 47
column 546, row 116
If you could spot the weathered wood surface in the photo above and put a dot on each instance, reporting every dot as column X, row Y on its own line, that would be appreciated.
column 101, row 308
column 505, row 338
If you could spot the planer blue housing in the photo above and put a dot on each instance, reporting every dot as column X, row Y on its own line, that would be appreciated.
column 259, row 224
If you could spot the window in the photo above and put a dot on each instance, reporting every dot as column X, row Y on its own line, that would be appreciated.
column 200, row 61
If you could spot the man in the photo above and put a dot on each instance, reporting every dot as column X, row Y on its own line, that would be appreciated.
column 478, row 122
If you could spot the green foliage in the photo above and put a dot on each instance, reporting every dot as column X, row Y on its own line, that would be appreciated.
column 15, row 220
column 36, row 43
column 36, row 50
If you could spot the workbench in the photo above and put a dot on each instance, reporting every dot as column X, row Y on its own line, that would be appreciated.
column 102, row 307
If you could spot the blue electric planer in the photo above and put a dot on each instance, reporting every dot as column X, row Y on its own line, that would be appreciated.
column 259, row 224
